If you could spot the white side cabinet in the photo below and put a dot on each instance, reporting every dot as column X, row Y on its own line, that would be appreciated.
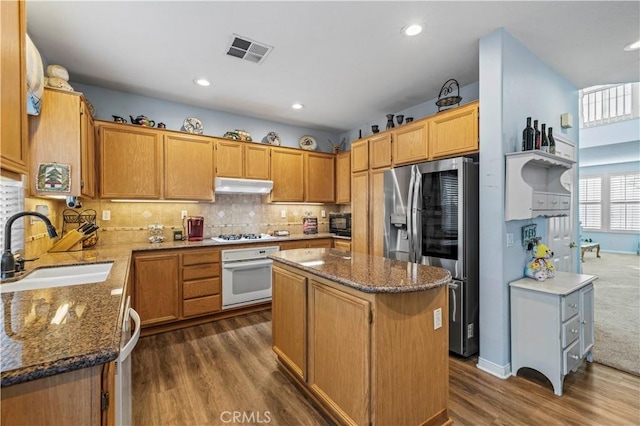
column 552, row 325
column 534, row 185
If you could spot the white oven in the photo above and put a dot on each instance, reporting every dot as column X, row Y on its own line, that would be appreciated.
column 246, row 276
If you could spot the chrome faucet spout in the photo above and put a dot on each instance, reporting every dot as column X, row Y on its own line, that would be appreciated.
column 8, row 259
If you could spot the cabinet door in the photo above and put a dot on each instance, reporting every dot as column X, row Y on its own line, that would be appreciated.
column 587, row 336
column 256, row 161
column 454, row 131
column 322, row 243
column 340, row 377
column 229, row 158
column 360, row 212
column 359, row 156
column 188, row 165
column 343, row 178
column 287, row 173
column 319, row 177
column 342, row 245
column 376, row 212
column 289, row 320
column 55, row 137
column 13, row 87
column 87, row 152
column 130, row 162
column 291, row 245
column 380, row 151
column 156, row 288
column 410, row 143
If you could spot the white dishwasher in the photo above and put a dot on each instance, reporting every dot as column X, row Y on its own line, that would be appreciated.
column 123, row 367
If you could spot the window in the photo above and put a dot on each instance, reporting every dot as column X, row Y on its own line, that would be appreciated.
column 608, row 104
column 624, row 200
column 591, row 202
column 12, row 196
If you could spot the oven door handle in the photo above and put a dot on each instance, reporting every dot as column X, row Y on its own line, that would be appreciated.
column 247, row 264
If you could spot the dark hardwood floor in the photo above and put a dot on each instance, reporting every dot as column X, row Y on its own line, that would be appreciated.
column 207, row 374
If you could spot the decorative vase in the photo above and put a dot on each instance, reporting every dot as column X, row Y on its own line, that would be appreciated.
column 390, row 121
column 399, row 118
column 374, row 128
column 409, row 119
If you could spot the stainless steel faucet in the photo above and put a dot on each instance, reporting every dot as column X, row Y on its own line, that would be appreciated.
column 8, row 259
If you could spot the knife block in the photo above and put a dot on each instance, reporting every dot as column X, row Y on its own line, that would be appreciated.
column 71, row 241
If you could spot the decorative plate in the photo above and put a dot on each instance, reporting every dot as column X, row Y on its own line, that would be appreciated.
column 272, row 138
column 308, row 143
column 193, row 125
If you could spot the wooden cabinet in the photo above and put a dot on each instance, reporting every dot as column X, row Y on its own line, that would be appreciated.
column 238, row 159
column 63, row 133
column 376, row 220
column 454, row 132
column 359, row 156
column 552, row 325
column 339, row 352
column 343, row 178
column 310, row 243
column 380, row 150
column 360, row 212
column 156, row 287
column 410, row 143
column 188, row 166
column 319, row 177
column 289, row 320
column 201, row 284
column 340, row 244
column 321, row 243
column 13, row 87
column 287, row 173
column 143, row 163
column 130, row 161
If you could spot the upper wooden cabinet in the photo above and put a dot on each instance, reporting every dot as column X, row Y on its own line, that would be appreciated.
column 319, row 177
column 359, row 156
column 380, row 151
column 343, row 177
column 236, row 159
column 13, row 87
column 454, row 131
column 188, row 165
column 63, row 133
column 287, row 173
column 410, row 143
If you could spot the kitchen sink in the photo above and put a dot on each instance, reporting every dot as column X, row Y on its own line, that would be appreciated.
column 60, row 276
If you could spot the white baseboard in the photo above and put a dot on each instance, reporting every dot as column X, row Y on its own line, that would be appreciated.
column 617, row 252
column 500, row 371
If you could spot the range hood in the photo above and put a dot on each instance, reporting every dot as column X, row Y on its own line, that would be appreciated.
column 223, row 185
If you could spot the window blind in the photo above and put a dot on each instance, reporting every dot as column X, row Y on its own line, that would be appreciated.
column 624, row 199
column 591, row 202
column 12, row 196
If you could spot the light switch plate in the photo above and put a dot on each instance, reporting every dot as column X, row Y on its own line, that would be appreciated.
column 183, row 214
column 323, row 213
column 437, row 318
column 283, row 213
column 106, row 214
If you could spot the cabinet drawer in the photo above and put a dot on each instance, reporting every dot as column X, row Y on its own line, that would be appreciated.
column 571, row 357
column 200, row 257
column 539, row 201
column 553, row 202
column 570, row 305
column 564, row 202
column 201, row 271
column 203, row 305
column 570, row 331
column 199, row 288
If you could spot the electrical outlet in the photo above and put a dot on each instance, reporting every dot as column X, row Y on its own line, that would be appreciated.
column 510, row 239
column 106, row 214
column 323, row 213
column 283, row 214
column 470, row 331
column 437, row 318
column 183, row 214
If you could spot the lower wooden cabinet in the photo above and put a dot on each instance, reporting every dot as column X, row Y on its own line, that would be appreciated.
column 297, row 244
column 344, row 245
column 156, row 287
column 201, row 292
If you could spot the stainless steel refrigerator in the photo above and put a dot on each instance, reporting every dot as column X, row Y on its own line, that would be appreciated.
column 431, row 217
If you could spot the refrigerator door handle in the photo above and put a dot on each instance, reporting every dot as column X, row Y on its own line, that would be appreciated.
column 410, row 214
column 417, row 216
column 453, row 286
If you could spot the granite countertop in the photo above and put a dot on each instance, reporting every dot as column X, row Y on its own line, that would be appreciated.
column 33, row 347
column 369, row 274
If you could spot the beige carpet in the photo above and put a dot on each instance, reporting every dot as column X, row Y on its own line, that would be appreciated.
column 617, row 309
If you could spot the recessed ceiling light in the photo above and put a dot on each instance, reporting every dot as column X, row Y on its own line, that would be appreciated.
column 201, row 82
column 632, row 46
column 412, row 30
column 297, row 105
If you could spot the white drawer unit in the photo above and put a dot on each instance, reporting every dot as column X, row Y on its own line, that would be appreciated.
column 552, row 325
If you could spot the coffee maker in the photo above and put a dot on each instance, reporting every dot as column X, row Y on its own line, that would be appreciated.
column 195, row 228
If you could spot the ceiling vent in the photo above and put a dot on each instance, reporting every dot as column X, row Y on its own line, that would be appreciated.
column 247, row 49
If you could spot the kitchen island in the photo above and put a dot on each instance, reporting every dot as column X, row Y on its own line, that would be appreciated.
column 364, row 336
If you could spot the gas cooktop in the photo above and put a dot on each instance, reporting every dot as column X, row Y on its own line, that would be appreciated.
column 242, row 237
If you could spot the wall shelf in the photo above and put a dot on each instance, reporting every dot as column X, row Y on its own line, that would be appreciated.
column 534, row 185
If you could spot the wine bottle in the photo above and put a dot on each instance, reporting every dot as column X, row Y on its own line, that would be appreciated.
column 536, row 134
column 544, row 145
column 552, row 142
column 528, row 136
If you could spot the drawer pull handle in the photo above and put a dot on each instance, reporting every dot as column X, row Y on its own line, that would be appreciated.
column 583, row 322
column 554, row 202
column 573, row 305
column 540, row 202
column 574, row 331
column 574, row 356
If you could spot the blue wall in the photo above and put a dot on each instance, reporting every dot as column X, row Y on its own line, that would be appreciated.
column 514, row 84
column 216, row 123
